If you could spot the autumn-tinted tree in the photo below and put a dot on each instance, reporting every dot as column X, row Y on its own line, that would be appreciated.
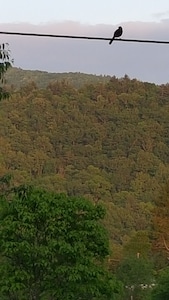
column 53, row 247
column 161, row 217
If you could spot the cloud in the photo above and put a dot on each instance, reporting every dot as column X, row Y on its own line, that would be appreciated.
column 147, row 62
column 161, row 15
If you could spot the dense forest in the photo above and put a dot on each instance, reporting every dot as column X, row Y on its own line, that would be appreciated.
column 102, row 138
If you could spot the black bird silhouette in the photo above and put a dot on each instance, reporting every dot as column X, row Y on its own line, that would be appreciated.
column 117, row 33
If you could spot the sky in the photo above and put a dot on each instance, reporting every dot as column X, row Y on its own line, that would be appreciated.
column 140, row 19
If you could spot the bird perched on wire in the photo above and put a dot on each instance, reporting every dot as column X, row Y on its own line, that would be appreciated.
column 117, row 33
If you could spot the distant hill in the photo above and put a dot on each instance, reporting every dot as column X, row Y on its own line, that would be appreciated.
column 18, row 77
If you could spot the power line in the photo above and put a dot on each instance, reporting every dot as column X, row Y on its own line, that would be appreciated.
column 82, row 37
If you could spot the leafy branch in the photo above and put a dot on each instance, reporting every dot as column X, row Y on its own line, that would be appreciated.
column 5, row 63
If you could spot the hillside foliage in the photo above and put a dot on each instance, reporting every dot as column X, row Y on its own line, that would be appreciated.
column 102, row 138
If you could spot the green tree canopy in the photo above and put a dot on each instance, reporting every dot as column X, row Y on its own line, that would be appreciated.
column 53, row 247
column 161, row 291
column 137, row 276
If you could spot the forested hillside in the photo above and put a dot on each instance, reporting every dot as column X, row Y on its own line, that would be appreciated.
column 18, row 77
column 106, row 140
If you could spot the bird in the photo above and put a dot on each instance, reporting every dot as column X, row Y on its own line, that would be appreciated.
column 117, row 33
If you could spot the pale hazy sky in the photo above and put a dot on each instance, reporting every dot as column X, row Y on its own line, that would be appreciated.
column 85, row 11
column 144, row 19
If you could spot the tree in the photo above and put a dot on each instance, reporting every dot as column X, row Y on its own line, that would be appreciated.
column 5, row 63
column 137, row 276
column 161, row 291
column 139, row 244
column 53, row 247
column 161, row 221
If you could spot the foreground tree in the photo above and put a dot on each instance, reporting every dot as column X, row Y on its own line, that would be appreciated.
column 53, row 247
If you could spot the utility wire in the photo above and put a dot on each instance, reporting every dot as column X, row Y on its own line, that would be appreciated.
column 82, row 37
